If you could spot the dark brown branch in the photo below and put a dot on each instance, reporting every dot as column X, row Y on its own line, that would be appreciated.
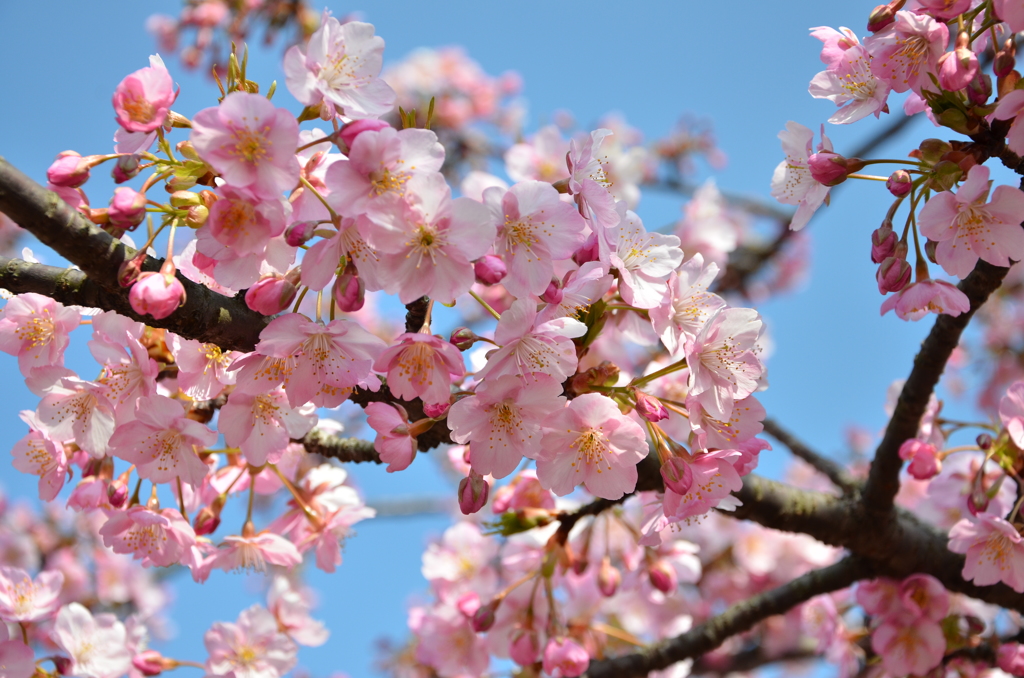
column 748, row 660
column 883, row 479
column 342, row 449
column 830, row 469
column 206, row 315
column 737, row 619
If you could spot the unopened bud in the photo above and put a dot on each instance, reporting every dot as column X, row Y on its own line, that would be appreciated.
column 299, row 233
column 892, row 275
column 180, row 199
column 69, row 170
column 62, row 664
column 525, row 647
column 186, row 149
column 270, row 295
column 662, row 576
column 984, row 441
column 208, row 519
column 125, row 169
column 436, row 410
column 149, row 663
column 463, row 338
column 899, row 183
column 483, row 620
column 678, row 475
column 883, row 243
column 473, row 492
column 883, row 15
column 197, row 216
column 127, row 208
column 831, row 169
column 1006, row 59
column 348, row 291
column 489, row 270
column 979, row 89
column 608, row 578
column 553, row 294
column 649, row 407
column 349, row 132
column 117, row 493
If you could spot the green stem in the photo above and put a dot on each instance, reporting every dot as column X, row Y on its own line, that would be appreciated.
column 494, row 314
column 674, row 367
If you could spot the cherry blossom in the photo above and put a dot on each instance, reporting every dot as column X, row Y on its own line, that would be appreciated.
column 156, row 537
column 24, row 599
column 792, row 183
column 421, row 366
column 204, row 370
column 644, row 261
column 993, row 548
column 907, row 51
column 918, row 299
column 97, row 643
column 78, row 410
column 848, row 82
column 529, row 348
column 723, row 361
column 253, row 552
column 394, row 444
column 251, row 647
column 143, row 99
column 35, row 328
column 261, row 425
column 37, row 455
column 687, row 304
column 290, row 607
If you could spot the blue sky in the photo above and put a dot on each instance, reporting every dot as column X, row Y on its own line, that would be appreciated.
column 744, row 65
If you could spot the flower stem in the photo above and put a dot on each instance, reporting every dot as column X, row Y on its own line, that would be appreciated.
column 494, row 314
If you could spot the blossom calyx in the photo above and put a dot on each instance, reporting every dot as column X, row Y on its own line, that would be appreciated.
column 831, row 169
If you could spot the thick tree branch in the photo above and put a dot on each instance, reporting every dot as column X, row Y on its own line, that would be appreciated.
column 737, row 619
column 830, row 469
column 883, row 479
column 206, row 315
column 342, row 449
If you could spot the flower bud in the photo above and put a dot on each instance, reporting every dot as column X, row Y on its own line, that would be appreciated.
column 117, row 493
column 270, row 295
column 893, row 275
column 899, row 183
column 929, row 250
column 490, row 270
column 649, row 407
column 125, row 169
column 349, row 132
column 553, row 294
column 608, row 578
column 979, row 89
column 590, row 251
column 197, row 216
column 180, row 199
column 1006, row 59
column 984, row 441
column 127, row 208
column 678, row 475
column 883, row 243
column 827, row 168
column 186, row 149
column 463, row 338
column 662, row 576
column 525, row 647
column 69, row 170
column 483, row 620
column 149, row 663
column 299, row 233
column 923, row 457
column 473, row 493
column 62, row 664
column 156, row 294
column 883, row 15
column 565, row 657
column 436, row 410
column 128, row 272
column 349, row 291
column 958, row 67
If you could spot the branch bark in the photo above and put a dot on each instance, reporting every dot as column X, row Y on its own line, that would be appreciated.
column 737, row 619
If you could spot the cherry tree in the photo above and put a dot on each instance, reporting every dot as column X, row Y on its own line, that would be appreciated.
column 397, row 251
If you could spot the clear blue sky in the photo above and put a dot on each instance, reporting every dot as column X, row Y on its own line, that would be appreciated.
column 744, row 65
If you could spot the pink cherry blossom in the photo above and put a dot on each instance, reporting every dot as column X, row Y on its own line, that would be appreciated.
column 590, row 442
column 261, row 425
column 723, row 361
column 329, row 359
column 1011, row 12
column 1010, row 658
column 158, row 538
column 911, row 648
column 37, row 455
column 253, row 552
column 993, row 548
column 421, row 366
column 542, row 158
column 158, row 294
column 742, row 424
column 322, row 259
column 17, row 660
column 967, row 227
column 588, row 181
column 290, row 606
column 143, row 99
column 393, row 443
column 204, row 370
column 565, row 658
column 1011, row 412
column 251, row 647
column 535, row 229
column 35, row 328
column 530, row 349
column 23, row 599
column 582, row 288
column 644, row 261
column 341, row 68
column 163, row 443
column 97, row 645
column 907, row 51
column 714, row 479
column 448, row 643
column 430, row 240
column 246, row 221
column 924, row 462
column 792, row 183
column 502, row 421
column 687, row 305
column 80, row 411
column 381, row 163
column 848, row 81
column 918, row 299
column 249, row 142
column 1010, row 107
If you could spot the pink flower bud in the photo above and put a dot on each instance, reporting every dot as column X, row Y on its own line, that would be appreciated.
column 553, row 294
column 827, row 168
column 678, row 475
column 156, row 294
column 349, row 132
column 125, row 169
column 893, row 275
column 525, row 647
column 436, row 410
column 69, row 170
column 608, row 578
column 206, row 521
column 483, row 620
column 128, row 272
column 489, row 270
column 473, row 493
column 590, row 251
column 662, row 576
column 649, row 407
column 924, row 461
column 149, row 663
column 468, row 603
column 958, row 68
column 349, row 291
column 1006, row 59
column 984, row 441
column 197, row 216
column 883, row 15
column 299, row 233
column 883, row 243
column 463, row 338
column 127, row 208
column 117, row 493
column 899, row 183
column 979, row 89
column 565, row 657
column 62, row 664
column 270, row 295
column 1010, row 658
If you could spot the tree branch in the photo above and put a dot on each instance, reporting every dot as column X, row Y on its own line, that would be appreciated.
column 737, row 619
column 206, row 315
column 342, row 449
column 827, row 467
column 883, row 479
